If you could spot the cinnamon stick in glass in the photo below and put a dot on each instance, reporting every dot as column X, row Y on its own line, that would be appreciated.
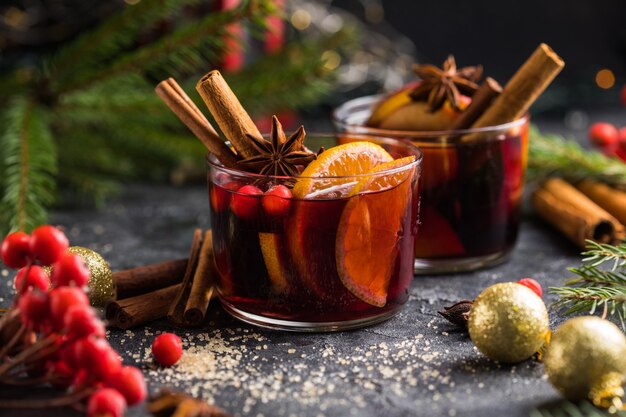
column 228, row 112
column 575, row 215
column 186, row 110
column 141, row 309
column 148, row 278
column 530, row 80
column 481, row 100
column 610, row 199
column 202, row 285
column 179, row 301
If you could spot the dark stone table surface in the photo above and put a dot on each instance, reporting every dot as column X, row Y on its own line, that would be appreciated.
column 415, row 364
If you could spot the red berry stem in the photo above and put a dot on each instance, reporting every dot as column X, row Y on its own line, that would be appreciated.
column 27, row 353
column 14, row 340
column 24, row 281
column 62, row 401
column 39, row 380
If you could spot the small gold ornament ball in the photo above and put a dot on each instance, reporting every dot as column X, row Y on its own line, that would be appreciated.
column 100, row 275
column 508, row 322
column 586, row 359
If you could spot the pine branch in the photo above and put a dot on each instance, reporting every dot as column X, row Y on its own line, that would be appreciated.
column 569, row 409
column 117, row 33
column 183, row 51
column 596, row 287
column 28, row 164
column 554, row 155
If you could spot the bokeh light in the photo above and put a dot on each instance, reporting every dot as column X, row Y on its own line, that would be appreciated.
column 605, row 78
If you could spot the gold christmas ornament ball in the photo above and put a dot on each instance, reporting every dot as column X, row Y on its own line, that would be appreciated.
column 586, row 359
column 100, row 275
column 508, row 322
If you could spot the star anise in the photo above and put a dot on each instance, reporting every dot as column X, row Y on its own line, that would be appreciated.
column 448, row 83
column 280, row 155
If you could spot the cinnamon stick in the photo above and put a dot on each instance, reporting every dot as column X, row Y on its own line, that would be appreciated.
column 610, row 199
column 575, row 215
column 179, row 302
column 148, row 278
column 186, row 110
column 228, row 112
column 530, row 80
column 481, row 100
column 202, row 285
column 141, row 309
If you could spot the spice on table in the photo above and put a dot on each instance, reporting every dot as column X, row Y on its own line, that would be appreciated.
column 179, row 303
column 172, row 404
column 140, row 309
column 574, row 214
column 610, row 199
column 457, row 313
column 148, row 278
column 202, row 285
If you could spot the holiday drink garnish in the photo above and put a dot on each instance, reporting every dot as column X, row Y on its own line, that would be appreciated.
column 300, row 235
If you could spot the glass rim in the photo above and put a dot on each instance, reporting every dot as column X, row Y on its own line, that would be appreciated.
column 413, row 134
column 214, row 163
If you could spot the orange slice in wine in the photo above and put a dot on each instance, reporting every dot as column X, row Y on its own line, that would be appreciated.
column 271, row 249
column 369, row 229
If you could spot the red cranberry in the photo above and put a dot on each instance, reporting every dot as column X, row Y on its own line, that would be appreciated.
column 47, row 244
column 33, row 307
column 98, row 358
column 167, row 349
column 604, row 135
column 61, row 299
column 70, row 269
column 80, row 321
column 15, row 250
column 36, row 279
column 130, row 383
column 532, row 284
column 244, row 202
column 69, row 354
column 277, row 201
column 106, row 402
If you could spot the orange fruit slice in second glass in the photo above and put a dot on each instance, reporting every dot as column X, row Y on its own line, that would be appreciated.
column 369, row 229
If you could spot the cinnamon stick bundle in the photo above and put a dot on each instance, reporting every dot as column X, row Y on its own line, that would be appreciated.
column 178, row 304
column 141, row 309
column 575, row 215
column 610, row 199
column 186, row 110
column 148, row 278
column 228, row 112
column 202, row 285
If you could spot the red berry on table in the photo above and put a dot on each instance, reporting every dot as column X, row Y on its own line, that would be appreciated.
column 106, row 402
column 603, row 135
column 61, row 299
column 47, row 244
column 167, row 349
column 70, row 269
column 277, row 201
column 33, row 307
column 129, row 381
column 244, row 202
column 98, row 358
column 36, row 279
column 15, row 250
column 532, row 284
column 80, row 321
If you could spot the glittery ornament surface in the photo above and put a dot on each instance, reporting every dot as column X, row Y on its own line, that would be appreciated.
column 585, row 353
column 508, row 322
column 100, row 275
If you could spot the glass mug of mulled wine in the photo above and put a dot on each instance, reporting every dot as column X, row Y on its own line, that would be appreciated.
column 471, row 188
column 312, row 253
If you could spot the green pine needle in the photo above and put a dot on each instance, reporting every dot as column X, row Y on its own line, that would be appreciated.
column 600, row 283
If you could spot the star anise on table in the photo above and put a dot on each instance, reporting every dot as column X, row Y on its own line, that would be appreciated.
column 279, row 156
column 439, row 84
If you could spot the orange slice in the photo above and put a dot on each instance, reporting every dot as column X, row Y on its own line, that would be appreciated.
column 353, row 158
column 270, row 249
column 368, row 231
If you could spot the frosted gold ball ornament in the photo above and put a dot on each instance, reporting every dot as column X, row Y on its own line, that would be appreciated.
column 586, row 359
column 100, row 275
column 508, row 322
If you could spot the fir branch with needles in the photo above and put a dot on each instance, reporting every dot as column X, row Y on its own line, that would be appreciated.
column 600, row 283
column 552, row 155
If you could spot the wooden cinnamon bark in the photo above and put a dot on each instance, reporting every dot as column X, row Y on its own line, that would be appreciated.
column 141, row 309
column 179, row 302
column 481, row 100
column 202, row 285
column 610, row 199
column 148, row 278
column 228, row 112
column 575, row 215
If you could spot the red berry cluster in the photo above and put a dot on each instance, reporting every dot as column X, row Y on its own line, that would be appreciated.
column 249, row 202
column 610, row 140
column 61, row 339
